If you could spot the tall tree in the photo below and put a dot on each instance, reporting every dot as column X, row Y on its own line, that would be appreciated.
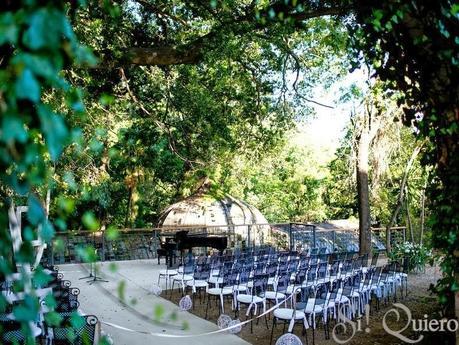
column 413, row 45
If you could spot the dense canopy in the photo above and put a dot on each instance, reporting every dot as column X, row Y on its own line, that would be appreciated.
column 111, row 110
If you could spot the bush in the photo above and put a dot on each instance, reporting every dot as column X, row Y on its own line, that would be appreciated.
column 416, row 255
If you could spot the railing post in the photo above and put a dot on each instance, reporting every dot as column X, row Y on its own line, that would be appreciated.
column 51, row 252
column 290, row 236
column 334, row 240
column 313, row 236
column 249, row 227
column 103, row 245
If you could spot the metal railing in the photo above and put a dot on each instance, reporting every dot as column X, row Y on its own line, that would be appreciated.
column 142, row 243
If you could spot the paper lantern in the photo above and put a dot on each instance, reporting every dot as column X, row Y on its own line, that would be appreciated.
column 237, row 327
column 223, row 321
column 185, row 303
column 288, row 339
column 156, row 290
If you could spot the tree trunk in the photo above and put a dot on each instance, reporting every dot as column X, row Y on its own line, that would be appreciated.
column 408, row 217
column 129, row 206
column 363, row 193
column 423, row 214
column 48, row 202
column 401, row 195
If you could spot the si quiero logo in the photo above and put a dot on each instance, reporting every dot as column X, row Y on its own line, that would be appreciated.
column 417, row 325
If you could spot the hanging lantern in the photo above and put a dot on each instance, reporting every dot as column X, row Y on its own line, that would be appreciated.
column 288, row 339
column 185, row 303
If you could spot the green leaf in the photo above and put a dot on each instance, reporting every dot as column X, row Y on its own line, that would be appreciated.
column 53, row 319
column 27, row 310
column 47, row 231
column 90, row 221
column 66, row 204
column 27, row 87
column 69, row 179
column 41, row 278
column 185, row 325
column 42, row 65
column 46, row 29
column 455, row 10
column 95, row 145
column 112, row 233
column 76, row 320
column 121, row 290
column 158, row 312
column 13, row 130
column 55, row 130
column 106, row 99
column 8, row 29
column 87, row 253
column 112, row 267
column 36, row 212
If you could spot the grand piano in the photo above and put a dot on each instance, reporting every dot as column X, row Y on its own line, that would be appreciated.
column 183, row 241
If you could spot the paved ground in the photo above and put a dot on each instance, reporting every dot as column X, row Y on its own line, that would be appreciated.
column 102, row 300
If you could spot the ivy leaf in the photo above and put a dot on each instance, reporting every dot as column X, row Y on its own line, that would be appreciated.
column 47, row 231
column 40, row 278
column 27, row 87
column 41, row 65
column 455, row 10
column 27, row 310
column 112, row 233
column 121, row 290
column 90, row 221
column 53, row 318
column 35, row 213
column 8, row 28
column 45, row 29
column 13, row 130
column 55, row 130
column 159, row 312
column 87, row 254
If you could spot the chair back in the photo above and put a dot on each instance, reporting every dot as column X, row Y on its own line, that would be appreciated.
column 374, row 259
column 260, row 283
column 202, row 272
column 282, row 283
column 75, row 330
column 322, row 270
column 10, row 332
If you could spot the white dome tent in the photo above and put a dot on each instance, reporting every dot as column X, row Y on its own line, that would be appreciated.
column 218, row 214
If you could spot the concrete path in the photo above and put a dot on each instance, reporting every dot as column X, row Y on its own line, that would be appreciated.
column 101, row 299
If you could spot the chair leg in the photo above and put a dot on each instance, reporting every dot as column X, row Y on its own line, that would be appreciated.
column 172, row 288
column 305, row 334
column 272, row 330
column 207, row 306
column 222, row 302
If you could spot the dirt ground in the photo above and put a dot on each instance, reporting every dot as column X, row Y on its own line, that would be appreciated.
column 419, row 301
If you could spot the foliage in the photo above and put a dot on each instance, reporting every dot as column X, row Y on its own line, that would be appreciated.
column 417, row 255
column 188, row 89
column 390, row 149
column 414, row 46
column 285, row 185
column 165, row 127
column 37, row 42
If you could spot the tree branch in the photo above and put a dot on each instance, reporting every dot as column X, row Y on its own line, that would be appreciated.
column 193, row 51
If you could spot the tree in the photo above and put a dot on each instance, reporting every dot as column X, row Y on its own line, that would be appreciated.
column 401, row 195
column 413, row 46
